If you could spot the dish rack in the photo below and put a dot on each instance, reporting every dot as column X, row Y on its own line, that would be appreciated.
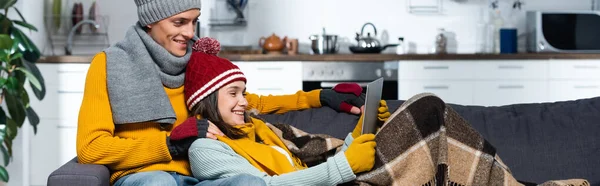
column 229, row 13
column 85, row 39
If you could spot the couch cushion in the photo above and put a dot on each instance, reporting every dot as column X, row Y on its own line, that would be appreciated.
column 73, row 173
column 539, row 142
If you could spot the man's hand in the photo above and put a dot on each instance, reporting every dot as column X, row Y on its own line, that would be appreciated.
column 186, row 133
column 345, row 97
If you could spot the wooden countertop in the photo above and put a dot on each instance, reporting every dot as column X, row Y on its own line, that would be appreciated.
column 359, row 57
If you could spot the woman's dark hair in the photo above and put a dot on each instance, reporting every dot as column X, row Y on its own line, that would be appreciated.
column 208, row 108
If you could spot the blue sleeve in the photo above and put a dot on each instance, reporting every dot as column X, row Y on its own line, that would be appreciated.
column 349, row 139
column 212, row 159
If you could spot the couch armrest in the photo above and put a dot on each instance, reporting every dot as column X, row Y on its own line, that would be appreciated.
column 73, row 173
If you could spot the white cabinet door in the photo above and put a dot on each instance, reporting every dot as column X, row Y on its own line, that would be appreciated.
column 571, row 90
column 574, row 69
column 496, row 93
column 428, row 70
column 574, row 79
column 45, row 151
column 274, row 78
column 54, row 144
column 511, row 70
column 459, row 92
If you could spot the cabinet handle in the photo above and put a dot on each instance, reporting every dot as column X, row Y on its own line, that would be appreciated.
column 585, row 87
column 66, row 127
column 269, row 68
column 440, row 87
column 436, row 67
column 510, row 67
column 69, row 92
column 585, row 67
column 511, row 87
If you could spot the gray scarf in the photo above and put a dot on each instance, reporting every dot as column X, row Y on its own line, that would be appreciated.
column 136, row 70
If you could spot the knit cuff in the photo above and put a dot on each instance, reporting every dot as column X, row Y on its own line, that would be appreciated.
column 313, row 98
column 202, row 126
column 344, row 168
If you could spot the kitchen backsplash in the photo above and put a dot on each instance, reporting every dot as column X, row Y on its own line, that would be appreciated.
column 302, row 18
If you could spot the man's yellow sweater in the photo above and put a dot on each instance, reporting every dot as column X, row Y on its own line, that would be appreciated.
column 139, row 147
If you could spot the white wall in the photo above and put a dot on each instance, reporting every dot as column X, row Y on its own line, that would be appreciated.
column 302, row 18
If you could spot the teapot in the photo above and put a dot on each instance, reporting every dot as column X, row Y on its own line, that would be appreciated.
column 368, row 43
column 272, row 44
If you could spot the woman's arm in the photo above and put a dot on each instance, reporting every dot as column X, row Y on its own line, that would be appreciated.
column 284, row 103
column 212, row 159
column 96, row 140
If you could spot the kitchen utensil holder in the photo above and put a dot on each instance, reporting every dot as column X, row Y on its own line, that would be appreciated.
column 92, row 40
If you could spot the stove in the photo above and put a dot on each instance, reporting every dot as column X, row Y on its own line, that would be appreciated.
column 318, row 75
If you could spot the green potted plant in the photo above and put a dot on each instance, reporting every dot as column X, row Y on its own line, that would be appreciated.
column 17, row 56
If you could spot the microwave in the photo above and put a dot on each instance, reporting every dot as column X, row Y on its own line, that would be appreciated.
column 563, row 31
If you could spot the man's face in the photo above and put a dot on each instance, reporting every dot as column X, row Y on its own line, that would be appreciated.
column 173, row 33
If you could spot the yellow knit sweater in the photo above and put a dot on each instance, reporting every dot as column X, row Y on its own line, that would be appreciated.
column 132, row 148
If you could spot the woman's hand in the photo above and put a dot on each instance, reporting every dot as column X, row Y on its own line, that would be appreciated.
column 361, row 153
column 383, row 114
column 213, row 131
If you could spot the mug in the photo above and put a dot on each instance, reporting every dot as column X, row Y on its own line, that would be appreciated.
column 292, row 46
column 508, row 40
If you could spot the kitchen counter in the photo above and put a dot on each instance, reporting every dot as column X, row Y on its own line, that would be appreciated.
column 359, row 57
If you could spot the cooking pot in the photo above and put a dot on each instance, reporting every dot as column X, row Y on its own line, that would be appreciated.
column 324, row 44
column 368, row 43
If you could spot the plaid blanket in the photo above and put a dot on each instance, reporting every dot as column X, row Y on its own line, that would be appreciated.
column 423, row 143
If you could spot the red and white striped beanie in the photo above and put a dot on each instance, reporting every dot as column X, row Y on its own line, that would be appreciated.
column 206, row 72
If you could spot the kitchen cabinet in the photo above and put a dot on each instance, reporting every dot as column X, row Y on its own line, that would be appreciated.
column 574, row 79
column 273, row 77
column 476, row 82
column 54, row 144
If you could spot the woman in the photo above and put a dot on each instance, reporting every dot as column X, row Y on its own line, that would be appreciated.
column 133, row 98
column 215, row 90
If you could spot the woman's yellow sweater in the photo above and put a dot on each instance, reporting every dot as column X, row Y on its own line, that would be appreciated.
column 138, row 147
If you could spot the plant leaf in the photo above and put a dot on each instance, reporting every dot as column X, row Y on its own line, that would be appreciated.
column 16, row 56
column 11, row 131
column 25, row 24
column 5, row 155
column 26, row 46
column 3, row 174
column 32, row 79
column 6, row 42
column 20, row 15
column 33, row 118
column 8, row 144
column 11, row 86
column 15, row 109
column 5, row 24
column 39, row 93
column 4, row 4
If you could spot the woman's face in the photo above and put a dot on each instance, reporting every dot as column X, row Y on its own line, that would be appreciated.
column 232, row 103
column 173, row 33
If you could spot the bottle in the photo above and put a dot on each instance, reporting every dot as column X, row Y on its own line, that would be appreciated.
column 498, row 22
column 441, row 42
column 400, row 49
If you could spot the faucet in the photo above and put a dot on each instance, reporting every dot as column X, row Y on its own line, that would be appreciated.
column 69, row 46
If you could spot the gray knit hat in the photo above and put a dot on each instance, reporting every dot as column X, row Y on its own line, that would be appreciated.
column 150, row 11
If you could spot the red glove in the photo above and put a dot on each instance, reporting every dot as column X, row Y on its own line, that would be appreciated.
column 343, row 96
column 185, row 134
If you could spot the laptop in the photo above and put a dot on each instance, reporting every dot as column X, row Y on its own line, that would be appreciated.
column 372, row 98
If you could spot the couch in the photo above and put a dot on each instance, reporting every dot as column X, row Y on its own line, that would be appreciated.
column 539, row 142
